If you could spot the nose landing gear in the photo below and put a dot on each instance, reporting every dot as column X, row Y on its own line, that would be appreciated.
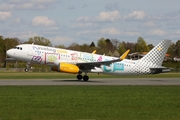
column 27, row 67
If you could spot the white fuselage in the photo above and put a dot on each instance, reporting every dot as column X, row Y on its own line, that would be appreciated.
column 53, row 56
column 63, row 60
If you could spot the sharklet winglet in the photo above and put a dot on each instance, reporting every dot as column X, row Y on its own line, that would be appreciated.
column 124, row 55
column 94, row 52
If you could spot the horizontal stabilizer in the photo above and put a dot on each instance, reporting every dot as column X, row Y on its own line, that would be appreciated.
column 160, row 70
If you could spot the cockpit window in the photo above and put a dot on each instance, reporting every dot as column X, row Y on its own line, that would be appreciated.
column 19, row 48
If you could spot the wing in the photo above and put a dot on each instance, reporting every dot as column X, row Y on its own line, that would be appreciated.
column 91, row 65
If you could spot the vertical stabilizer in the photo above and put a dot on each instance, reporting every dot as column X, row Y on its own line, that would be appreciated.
column 152, row 59
column 155, row 57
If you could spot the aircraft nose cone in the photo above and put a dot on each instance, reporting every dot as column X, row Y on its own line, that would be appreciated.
column 7, row 53
column 10, row 53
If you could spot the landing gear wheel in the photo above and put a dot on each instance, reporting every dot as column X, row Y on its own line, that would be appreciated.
column 79, row 77
column 26, row 69
column 85, row 78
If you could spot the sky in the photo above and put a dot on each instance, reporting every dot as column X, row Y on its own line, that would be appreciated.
column 64, row 22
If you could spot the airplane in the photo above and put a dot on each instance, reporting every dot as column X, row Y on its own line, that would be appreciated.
column 76, row 62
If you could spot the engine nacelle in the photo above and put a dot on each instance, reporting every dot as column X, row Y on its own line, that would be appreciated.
column 66, row 67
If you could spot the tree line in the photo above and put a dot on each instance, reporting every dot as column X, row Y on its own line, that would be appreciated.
column 111, row 47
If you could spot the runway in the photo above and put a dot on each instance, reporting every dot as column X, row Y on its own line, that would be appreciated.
column 102, row 81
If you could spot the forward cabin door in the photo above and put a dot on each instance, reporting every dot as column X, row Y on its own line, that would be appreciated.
column 30, row 50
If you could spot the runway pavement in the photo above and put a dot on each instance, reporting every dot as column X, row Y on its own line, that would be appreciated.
column 102, row 81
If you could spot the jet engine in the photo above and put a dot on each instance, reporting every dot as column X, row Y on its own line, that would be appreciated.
column 66, row 67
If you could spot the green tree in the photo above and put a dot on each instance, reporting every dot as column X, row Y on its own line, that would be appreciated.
column 116, row 53
column 85, row 48
column 60, row 46
column 141, row 45
column 109, row 45
column 2, row 49
column 11, row 42
column 130, row 46
column 2, row 45
column 172, row 50
column 178, row 48
column 105, row 46
column 101, row 44
column 39, row 41
column 121, row 48
column 115, row 43
column 150, row 46
column 92, row 44
column 6, row 44
column 74, row 46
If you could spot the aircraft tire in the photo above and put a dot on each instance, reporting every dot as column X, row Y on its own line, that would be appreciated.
column 79, row 77
column 26, row 70
column 85, row 78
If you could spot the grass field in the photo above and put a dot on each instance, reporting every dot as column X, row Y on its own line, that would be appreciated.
column 89, row 102
column 56, row 75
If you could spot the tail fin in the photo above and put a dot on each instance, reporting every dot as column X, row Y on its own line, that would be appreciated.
column 155, row 57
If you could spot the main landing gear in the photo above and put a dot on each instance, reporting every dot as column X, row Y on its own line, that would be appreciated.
column 85, row 77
